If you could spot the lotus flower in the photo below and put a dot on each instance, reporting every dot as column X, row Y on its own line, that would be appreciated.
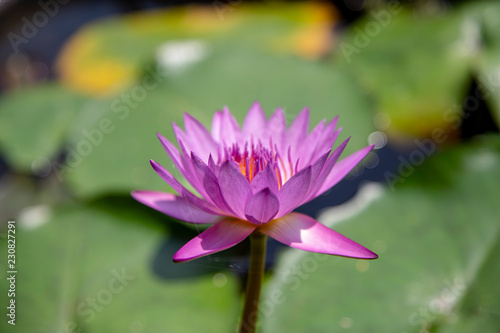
column 252, row 179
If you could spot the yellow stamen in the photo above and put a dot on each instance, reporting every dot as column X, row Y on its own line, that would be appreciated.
column 278, row 177
column 284, row 169
column 243, row 168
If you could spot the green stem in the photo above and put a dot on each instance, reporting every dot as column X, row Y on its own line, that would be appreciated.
column 254, row 282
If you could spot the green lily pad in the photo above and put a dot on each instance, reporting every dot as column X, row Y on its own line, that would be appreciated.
column 107, row 56
column 33, row 125
column 416, row 67
column 87, row 269
column 438, row 236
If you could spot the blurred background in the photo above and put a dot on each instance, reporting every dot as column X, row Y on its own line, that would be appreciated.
column 85, row 85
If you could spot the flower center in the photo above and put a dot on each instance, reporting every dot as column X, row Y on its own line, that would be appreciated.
column 253, row 158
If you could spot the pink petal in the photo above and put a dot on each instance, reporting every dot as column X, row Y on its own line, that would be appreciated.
column 263, row 179
column 317, row 167
column 210, row 184
column 293, row 191
column 234, row 187
column 220, row 236
column 177, row 186
column 327, row 168
column 327, row 140
column 342, row 168
column 181, row 136
column 175, row 206
column 305, row 233
column 214, row 167
column 167, row 176
column 200, row 139
column 297, row 132
column 230, row 130
column 217, row 127
column 262, row 207
column 192, row 172
column 172, row 152
column 255, row 121
column 304, row 152
column 276, row 128
column 328, row 133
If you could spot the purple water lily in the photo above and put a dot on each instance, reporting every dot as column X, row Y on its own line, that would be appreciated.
column 252, row 179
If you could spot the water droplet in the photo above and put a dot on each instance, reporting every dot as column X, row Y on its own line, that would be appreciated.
column 378, row 138
column 346, row 322
column 219, row 280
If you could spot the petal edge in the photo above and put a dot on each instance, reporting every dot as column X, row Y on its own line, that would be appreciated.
column 221, row 236
column 174, row 206
column 262, row 207
column 303, row 232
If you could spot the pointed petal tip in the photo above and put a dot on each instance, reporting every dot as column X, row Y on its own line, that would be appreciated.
column 303, row 232
column 137, row 195
column 189, row 118
column 174, row 125
column 279, row 110
column 256, row 103
column 160, row 169
column 369, row 256
column 362, row 254
column 134, row 194
column 304, row 113
column 178, row 259
column 178, row 207
column 164, row 141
